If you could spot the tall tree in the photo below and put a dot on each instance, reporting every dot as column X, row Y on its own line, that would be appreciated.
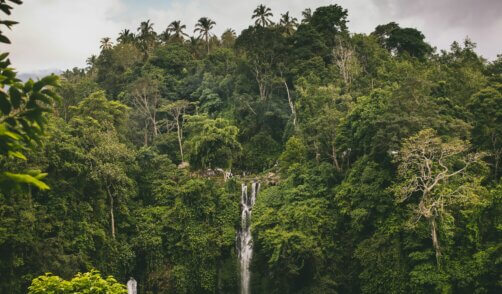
column 177, row 30
column 288, row 23
column 106, row 44
column 345, row 59
column 146, row 98
column 91, row 61
column 126, row 37
column 307, row 15
column 177, row 111
column 145, row 29
column 265, row 49
column 97, row 122
column 262, row 14
column 228, row 38
column 486, row 105
column 204, row 27
column 165, row 36
column 330, row 21
column 400, row 40
column 433, row 170
column 146, row 37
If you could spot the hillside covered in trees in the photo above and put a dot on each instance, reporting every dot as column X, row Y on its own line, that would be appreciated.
column 379, row 159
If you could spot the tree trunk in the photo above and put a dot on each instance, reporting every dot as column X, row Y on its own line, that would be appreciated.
column 207, row 43
column 497, row 166
column 146, row 132
column 317, row 153
column 497, row 154
column 335, row 160
column 112, row 217
column 435, row 240
column 154, row 124
column 155, row 128
column 291, row 104
column 180, row 134
column 261, row 83
column 263, row 94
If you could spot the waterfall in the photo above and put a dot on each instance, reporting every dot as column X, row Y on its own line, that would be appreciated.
column 244, row 239
column 132, row 286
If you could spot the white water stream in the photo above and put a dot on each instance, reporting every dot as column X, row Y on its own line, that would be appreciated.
column 244, row 239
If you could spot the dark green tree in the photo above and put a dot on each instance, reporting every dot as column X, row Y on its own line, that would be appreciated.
column 399, row 40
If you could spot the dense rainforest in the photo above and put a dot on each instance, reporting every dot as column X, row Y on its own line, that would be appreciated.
column 379, row 159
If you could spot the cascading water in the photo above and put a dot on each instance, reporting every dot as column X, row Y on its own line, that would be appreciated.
column 245, row 240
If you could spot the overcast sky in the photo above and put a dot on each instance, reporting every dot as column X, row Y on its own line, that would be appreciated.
column 61, row 34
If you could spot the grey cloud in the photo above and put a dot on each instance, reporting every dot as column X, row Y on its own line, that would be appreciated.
column 73, row 33
column 445, row 21
column 448, row 13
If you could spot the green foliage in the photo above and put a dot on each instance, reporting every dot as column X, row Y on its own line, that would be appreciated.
column 185, row 230
column 291, row 225
column 295, row 152
column 22, row 118
column 379, row 161
column 7, row 9
column 23, row 107
column 260, row 152
column 212, row 142
column 400, row 40
column 99, row 112
column 329, row 21
column 309, row 43
column 173, row 58
column 90, row 282
column 262, row 14
column 486, row 106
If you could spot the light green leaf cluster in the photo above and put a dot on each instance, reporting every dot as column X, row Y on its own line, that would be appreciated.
column 88, row 283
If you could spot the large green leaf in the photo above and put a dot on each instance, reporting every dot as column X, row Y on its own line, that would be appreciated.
column 4, row 39
column 5, row 106
column 51, row 80
column 27, row 179
column 15, row 97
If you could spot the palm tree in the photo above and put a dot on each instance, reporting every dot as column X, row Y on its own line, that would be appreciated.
column 106, row 44
column 262, row 15
column 228, row 38
column 146, row 28
column 194, row 46
column 126, row 36
column 165, row 36
column 91, row 61
column 204, row 26
column 307, row 15
column 288, row 23
column 146, row 36
column 146, row 32
column 176, row 29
